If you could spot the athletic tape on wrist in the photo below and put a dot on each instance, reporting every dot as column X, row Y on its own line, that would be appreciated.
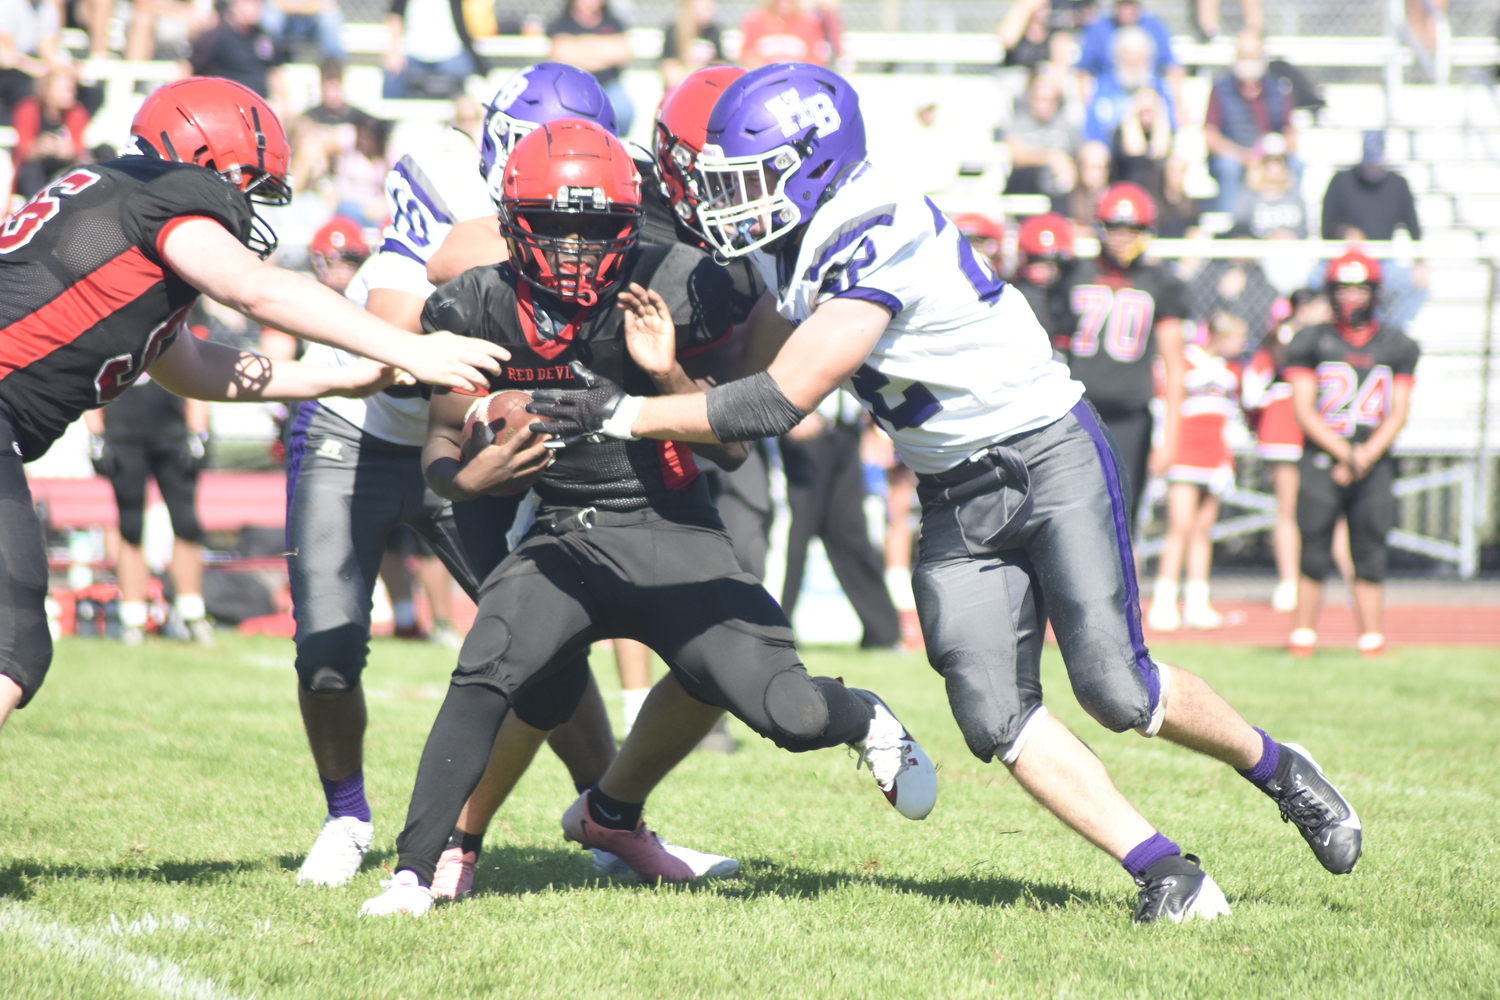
column 750, row 409
column 619, row 423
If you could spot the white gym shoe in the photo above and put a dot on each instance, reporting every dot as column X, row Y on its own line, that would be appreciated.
column 338, row 852
column 402, row 895
column 1284, row 597
column 1164, row 617
column 703, row 864
column 897, row 762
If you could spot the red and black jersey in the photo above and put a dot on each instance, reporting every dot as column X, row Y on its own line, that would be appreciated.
column 1111, row 319
column 544, row 335
column 86, row 303
column 1355, row 374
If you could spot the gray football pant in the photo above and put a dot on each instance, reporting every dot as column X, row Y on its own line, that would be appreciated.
column 984, row 605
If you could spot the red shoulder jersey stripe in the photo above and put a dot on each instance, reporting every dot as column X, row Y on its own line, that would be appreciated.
column 89, row 300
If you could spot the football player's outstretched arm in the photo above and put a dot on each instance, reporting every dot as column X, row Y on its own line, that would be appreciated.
column 471, row 243
column 202, row 369
column 504, row 468
column 1170, row 345
column 818, row 356
column 204, row 254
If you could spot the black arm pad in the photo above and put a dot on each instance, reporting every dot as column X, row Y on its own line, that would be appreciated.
column 750, row 409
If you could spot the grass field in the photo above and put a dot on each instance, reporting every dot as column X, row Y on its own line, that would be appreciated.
column 155, row 804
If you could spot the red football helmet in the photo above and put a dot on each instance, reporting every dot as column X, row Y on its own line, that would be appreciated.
column 682, row 128
column 228, row 128
column 1126, row 204
column 977, row 226
column 570, row 208
column 340, row 236
column 1353, row 268
column 1045, row 237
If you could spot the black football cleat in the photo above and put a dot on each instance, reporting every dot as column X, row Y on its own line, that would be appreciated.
column 1177, row 889
column 1308, row 799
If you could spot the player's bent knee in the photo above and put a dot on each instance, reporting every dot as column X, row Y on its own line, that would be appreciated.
column 331, row 662
column 989, row 715
column 550, row 701
column 796, row 709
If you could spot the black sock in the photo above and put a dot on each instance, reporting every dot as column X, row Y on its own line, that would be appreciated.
column 584, row 786
column 612, row 814
column 469, row 843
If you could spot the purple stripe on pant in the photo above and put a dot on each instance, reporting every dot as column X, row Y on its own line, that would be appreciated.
column 1120, row 509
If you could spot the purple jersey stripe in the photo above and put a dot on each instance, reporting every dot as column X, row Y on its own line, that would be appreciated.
column 849, row 237
column 396, row 246
column 296, row 449
column 1120, row 507
column 876, row 296
column 939, row 220
column 422, row 188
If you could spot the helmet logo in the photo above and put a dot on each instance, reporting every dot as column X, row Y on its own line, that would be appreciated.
column 1047, row 239
column 514, row 88
column 795, row 113
column 1125, row 209
column 1352, row 272
column 582, row 196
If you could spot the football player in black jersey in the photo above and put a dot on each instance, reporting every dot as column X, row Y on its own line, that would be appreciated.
column 1044, row 252
column 627, row 541
column 1122, row 314
column 97, row 273
column 1351, row 391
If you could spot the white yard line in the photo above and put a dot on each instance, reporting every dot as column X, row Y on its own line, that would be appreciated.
column 164, row 978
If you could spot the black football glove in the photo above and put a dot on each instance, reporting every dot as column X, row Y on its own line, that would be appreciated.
column 578, row 415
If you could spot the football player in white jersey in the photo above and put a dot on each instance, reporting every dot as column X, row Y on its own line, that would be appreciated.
column 354, row 472
column 1024, row 505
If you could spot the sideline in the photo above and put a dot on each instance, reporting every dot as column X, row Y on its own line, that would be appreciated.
column 156, row 975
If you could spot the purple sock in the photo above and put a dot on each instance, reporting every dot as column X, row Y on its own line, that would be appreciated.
column 1147, row 853
column 346, row 797
column 1270, row 756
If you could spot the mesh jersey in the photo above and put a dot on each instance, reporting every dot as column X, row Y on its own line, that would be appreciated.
column 146, row 412
column 86, row 303
column 544, row 337
column 1111, row 319
column 1354, row 380
column 426, row 192
column 963, row 362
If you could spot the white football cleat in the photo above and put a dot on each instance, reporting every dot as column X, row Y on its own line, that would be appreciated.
column 897, row 762
column 703, row 864
column 402, row 895
column 338, row 852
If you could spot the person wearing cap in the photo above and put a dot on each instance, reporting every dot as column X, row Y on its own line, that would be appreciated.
column 1244, row 112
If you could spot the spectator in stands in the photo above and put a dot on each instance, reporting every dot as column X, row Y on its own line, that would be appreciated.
column 49, row 131
column 1142, row 141
column 28, row 46
column 93, row 16
column 238, row 48
column 690, row 43
column 1131, row 73
column 1093, row 178
column 1100, row 56
column 318, row 21
column 1206, row 17
column 781, row 31
column 359, row 176
column 333, row 110
column 1242, row 112
column 1042, row 143
column 468, row 116
column 588, row 35
column 166, row 24
column 827, row 12
column 1026, row 33
column 1238, row 287
column 1270, row 205
column 430, row 52
column 1177, row 213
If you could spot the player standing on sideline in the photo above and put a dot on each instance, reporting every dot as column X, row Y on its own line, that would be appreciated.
column 1024, row 509
column 97, row 273
column 1351, row 391
column 1044, row 249
column 355, row 472
column 627, row 541
column 1122, row 314
column 1201, row 472
column 1267, row 398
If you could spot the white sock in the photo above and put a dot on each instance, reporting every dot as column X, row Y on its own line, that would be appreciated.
column 1195, row 594
column 633, row 699
column 1165, row 591
column 1304, row 637
column 405, row 613
column 1371, row 640
column 190, row 607
column 133, row 614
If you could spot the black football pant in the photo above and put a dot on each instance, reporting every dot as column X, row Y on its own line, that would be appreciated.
column 1132, row 434
column 1369, row 504
column 25, row 642
column 825, row 488
column 667, row 579
column 176, row 473
column 744, row 501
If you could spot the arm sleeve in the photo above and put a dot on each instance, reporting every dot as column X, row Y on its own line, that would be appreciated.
column 187, row 191
column 700, row 294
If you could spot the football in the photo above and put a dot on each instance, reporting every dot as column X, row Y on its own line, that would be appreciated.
column 496, row 418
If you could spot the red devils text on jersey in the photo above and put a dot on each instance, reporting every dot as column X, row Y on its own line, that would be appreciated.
column 544, row 336
column 86, row 302
column 1354, row 379
column 1111, row 317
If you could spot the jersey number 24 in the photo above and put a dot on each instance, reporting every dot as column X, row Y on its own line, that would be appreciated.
column 1345, row 403
column 1122, row 319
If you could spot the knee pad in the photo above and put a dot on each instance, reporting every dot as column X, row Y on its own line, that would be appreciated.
column 991, row 716
column 185, row 524
column 796, row 708
column 1109, row 685
column 331, row 662
column 550, row 701
column 132, row 524
column 1316, row 561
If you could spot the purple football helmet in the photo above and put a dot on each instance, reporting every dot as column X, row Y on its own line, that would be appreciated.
column 780, row 141
column 537, row 94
